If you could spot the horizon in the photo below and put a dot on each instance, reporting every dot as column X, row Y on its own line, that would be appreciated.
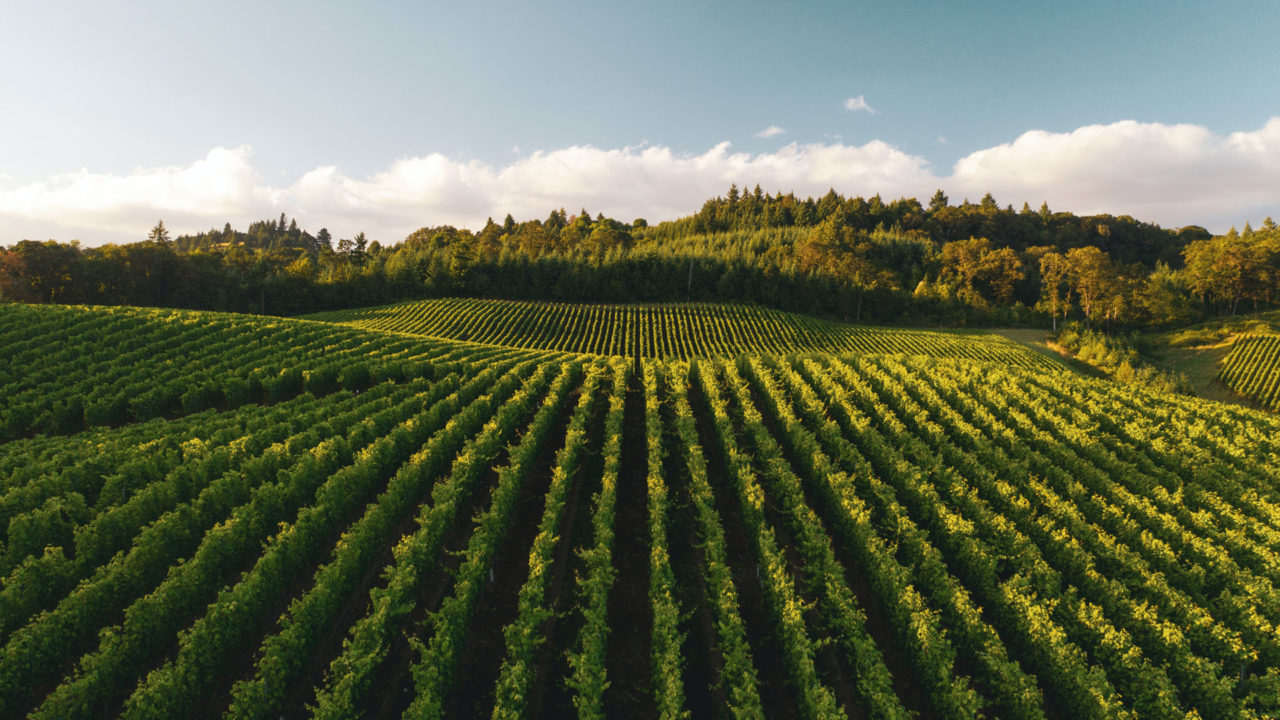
column 395, row 117
column 570, row 215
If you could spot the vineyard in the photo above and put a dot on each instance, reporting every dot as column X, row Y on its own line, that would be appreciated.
column 1252, row 369
column 668, row 331
column 211, row 515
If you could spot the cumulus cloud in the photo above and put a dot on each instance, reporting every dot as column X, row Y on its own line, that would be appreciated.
column 858, row 104
column 1170, row 174
column 648, row 181
column 770, row 131
column 222, row 184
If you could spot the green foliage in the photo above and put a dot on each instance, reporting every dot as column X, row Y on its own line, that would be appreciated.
column 1018, row 541
column 156, row 402
column 89, row 367
column 587, row 660
column 1252, row 369
column 1228, row 270
column 201, row 397
column 1220, row 329
column 663, row 331
column 1119, row 356
column 846, row 257
column 322, row 380
column 356, row 376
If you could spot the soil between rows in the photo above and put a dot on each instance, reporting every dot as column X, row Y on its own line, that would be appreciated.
column 777, row 695
column 549, row 695
column 628, row 662
column 830, row 664
column 485, row 648
column 392, row 689
column 904, row 683
column 358, row 603
column 703, row 663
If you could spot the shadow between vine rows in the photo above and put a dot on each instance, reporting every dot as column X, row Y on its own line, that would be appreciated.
column 358, row 603
column 481, row 661
column 549, row 695
column 905, row 686
column 703, row 663
column 777, row 696
column 629, row 660
column 830, row 664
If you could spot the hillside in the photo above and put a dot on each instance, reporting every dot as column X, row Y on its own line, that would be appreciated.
column 1252, row 369
column 207, row 515
column 667, row 331
column 1206, row 354
column 67, row 367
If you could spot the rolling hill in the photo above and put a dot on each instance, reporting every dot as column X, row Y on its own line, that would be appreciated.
column 666, row 331
column 461, row 508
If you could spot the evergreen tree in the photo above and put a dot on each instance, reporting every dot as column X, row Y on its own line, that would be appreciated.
column 159, row 233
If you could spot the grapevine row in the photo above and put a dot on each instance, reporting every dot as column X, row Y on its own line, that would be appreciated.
column 677, row 331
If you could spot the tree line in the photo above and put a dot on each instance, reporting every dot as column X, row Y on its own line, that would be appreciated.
column 859, row 259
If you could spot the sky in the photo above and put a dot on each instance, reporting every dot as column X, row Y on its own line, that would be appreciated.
column 384, row 117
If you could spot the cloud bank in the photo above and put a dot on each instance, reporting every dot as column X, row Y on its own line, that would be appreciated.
column 1171, row 174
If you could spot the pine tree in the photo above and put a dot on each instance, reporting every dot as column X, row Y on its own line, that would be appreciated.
column 159, row 233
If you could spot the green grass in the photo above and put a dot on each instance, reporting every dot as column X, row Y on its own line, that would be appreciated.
column 1199, row 352
column 1220, row 330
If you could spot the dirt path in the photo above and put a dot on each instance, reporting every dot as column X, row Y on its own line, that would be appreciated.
column 1038, row 342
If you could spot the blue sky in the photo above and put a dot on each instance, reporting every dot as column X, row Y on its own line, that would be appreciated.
column 395, row 115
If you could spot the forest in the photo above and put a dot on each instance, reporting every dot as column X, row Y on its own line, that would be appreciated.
column 849, row 258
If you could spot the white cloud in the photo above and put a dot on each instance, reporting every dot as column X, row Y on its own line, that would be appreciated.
column 942, row 140
column 770, row 131
column 858, row 104
column 650, row 181
column 1170, row 174
column 222, row 184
